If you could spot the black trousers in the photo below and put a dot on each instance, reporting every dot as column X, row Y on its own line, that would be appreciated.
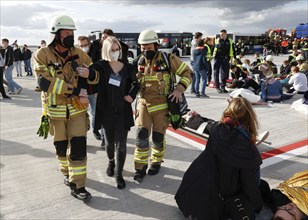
column 116, row 141
column 1, row 82
column 209, row 71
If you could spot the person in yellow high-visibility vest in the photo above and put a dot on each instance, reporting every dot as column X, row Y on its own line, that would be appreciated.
column 208, row 46
column 224, row 50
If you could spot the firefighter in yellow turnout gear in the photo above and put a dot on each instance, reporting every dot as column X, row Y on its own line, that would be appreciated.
column 154, row 69
column 64, row 98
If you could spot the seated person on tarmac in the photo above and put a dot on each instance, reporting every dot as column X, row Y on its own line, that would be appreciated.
column 230, row 143
column 297, row 82
column 202, row 125
column 241, row 79
column 271, row 89
column 289, row 199
column 194, row 120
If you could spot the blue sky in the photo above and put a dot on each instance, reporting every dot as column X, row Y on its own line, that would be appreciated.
column 28, row 21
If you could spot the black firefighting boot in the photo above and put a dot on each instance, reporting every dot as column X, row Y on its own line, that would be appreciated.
column 81, row 193
column 66, row 180
column 139, row 174
column 154, row 169
column 110, row 168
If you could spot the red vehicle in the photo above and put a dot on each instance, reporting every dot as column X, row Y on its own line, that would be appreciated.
column 278, row 31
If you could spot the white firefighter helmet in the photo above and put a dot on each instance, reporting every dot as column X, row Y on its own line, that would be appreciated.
column 148, row 37
column 60, row 22
column 269, row 58
column 300, row 57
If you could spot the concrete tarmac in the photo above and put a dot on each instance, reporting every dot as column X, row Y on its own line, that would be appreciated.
column 32, row 185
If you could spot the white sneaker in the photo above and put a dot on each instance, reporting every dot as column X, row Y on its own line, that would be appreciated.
column 11, row 93
column 19, row 90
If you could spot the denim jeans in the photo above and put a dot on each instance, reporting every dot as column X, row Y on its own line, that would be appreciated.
column 17, row 65
column 200, row 74
column 28, row 67
column 193, row 77
column 92, row 101
column 9, row 77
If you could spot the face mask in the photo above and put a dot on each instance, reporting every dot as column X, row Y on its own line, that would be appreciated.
column 86, row 49
column 115, row 55
column 149, row 54
column 68, row 41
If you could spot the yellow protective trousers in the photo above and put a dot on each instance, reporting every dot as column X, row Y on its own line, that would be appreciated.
column 157, row 122
column 70, row 142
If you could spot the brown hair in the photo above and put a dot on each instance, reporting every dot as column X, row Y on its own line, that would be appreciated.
column 295, row 69
column 109, row 32
column 241, row 110
column 198, row 34
column 81, row 38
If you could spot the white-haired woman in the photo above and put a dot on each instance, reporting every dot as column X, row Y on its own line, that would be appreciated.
column 118, row 88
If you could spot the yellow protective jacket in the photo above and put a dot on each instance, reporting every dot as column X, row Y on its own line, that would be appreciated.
column 154, row 77
column 295, row 188
column 208, row 52
column 59, row 82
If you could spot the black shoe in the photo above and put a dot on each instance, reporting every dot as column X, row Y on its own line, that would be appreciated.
column 110, row 168
column 103, row 144
column 224, row 90
column 66, row 181
column 6, row 97
column 205, row 96
column 120, row 181
column 192, row 92
column 218, row 90
column 154, row 169
column 197, row 95
column 139, row 175
column 97, row 135
column 81, row 194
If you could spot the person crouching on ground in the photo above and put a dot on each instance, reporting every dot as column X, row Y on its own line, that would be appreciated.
column 230, row 159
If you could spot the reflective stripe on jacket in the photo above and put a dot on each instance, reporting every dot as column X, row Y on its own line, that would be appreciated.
column 154, row 78
column 231, row 52
column 59, row 82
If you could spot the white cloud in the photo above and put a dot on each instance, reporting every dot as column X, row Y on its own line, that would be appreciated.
column 28, row 21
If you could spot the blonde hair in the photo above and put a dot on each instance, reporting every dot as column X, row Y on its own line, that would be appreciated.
column 107, row 45
column 241, row 110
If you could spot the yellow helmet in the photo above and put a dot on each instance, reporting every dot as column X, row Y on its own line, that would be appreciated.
column 148, row 37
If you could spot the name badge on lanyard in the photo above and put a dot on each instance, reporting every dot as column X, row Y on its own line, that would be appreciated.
column 115, row 80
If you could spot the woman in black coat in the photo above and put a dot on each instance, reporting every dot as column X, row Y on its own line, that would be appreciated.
column 229, row 165
column 117, row 89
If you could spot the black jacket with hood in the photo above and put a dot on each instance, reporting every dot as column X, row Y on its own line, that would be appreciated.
column 228, row 166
